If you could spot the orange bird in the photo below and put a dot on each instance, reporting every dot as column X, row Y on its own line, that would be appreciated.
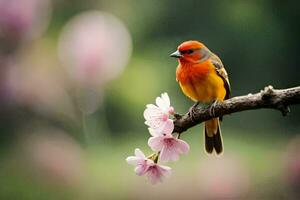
column 203, row 78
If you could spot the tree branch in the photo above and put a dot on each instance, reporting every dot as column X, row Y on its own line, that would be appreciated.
column 267, row 98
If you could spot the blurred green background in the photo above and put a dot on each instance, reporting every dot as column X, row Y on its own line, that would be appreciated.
column 73, row 92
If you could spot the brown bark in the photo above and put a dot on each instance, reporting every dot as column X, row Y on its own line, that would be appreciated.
column 267, row 98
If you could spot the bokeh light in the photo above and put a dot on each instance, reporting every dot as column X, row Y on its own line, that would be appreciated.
column 225, row 177
column 94, row 47
column 22, row 20
column 52, row 155
column 292, row 168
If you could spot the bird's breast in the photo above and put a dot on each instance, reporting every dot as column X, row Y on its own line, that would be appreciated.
column 193, row 73
column 199, row 82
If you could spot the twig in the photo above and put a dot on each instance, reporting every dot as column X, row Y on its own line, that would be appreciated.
column 267, row 98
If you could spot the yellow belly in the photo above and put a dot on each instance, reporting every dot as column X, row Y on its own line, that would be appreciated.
column 209, row 89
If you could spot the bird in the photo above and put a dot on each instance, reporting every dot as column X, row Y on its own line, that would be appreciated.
column 202, row 77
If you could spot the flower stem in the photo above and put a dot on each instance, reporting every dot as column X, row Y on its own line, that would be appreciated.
column 154, row 157
column 84, row 127
column 178, row 136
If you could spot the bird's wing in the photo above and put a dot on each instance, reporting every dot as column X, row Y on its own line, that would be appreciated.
column 216, row 61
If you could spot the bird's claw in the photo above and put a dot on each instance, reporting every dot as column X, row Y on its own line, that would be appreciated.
column 212, row 108
column 195, row 105
column 192, row 111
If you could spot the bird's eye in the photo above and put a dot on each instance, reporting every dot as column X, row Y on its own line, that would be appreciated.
column 190, row 51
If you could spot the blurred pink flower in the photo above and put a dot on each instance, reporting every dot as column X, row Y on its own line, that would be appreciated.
column 22, row 20
column 155, row 173
column 41, row 89
column 292, row 167
column 170, row 147
column 52, row 156
column 95, row 48
column 157, row 116
column 7, row 75
column 226, row 177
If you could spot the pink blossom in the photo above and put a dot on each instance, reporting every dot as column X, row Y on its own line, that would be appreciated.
column 140, row 161
column 169, row 146
column 157, row 116
column 155, row 173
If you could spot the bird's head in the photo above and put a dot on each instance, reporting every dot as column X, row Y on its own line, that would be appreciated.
column 191, row 51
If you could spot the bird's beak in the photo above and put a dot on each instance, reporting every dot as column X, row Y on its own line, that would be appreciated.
column 176, row 54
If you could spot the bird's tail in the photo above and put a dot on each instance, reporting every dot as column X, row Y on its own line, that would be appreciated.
column 213, row 136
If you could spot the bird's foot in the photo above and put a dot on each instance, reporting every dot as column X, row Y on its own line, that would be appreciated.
column 195, row 106
column 212, row 108
column 192, row 110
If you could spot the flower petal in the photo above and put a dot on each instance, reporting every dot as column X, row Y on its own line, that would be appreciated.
column 168, row 153
column 161, row 103
column 153, row 132
column 133, row 160
column 156, row 173
column 166, row 171
column 158, row 125
column 168, row 127
column 166, row 98
column 182, row 146
column 152, row 113
column 138, row 153
column 155, row 143
column 141, row 169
